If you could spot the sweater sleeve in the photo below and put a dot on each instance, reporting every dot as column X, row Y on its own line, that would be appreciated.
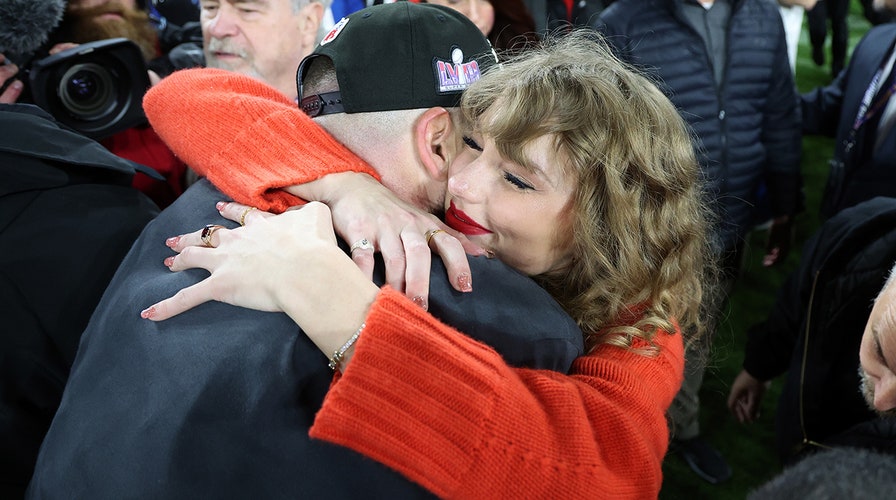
column 449, row 414
column 246, row 137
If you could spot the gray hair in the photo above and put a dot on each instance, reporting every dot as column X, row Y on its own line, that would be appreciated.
column 837, row 474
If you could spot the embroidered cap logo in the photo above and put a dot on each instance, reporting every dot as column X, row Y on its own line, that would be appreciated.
column 335, row 31
column 455, row 75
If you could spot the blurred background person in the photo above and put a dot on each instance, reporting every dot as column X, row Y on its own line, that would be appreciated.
column 792, row 13
column 265, row 39
column 553, row 15
column 92, row 20
column 835, row 11
column 705, row 56
column 858, row 110
column 507, row 23
column 814, row 330
column 56, row 182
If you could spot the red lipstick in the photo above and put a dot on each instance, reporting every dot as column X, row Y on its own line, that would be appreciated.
column 457, row 220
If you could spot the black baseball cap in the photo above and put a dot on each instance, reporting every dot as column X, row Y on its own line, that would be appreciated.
column 400, row 55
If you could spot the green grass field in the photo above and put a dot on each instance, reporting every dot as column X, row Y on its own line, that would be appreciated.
column 749, row 449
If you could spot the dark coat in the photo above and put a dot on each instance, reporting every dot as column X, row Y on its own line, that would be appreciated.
column 68, row 216
column 217, row 402
column 832, row 111
column 815, row 327
column 748, row 129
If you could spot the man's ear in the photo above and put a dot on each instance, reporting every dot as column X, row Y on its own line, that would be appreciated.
column 437, row 142
column 312, row 15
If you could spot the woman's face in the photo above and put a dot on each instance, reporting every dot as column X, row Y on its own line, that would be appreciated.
column 480, row 12
column 523, row 216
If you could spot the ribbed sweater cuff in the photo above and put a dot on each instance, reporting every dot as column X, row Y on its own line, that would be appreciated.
column 365, row 410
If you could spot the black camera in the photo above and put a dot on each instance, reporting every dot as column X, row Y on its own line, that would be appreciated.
column 95, row 88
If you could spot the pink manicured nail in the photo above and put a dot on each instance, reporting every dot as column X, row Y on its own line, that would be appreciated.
column 172, row 241
column 420, row 301
column 148, row 312
column 220, row 205
column 465, row 282
column 169, row 261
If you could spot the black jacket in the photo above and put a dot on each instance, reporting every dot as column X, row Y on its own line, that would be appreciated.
column 832, row 111
column 68, row 215
column 748, row 129
column 217, row 402
column 815, row 327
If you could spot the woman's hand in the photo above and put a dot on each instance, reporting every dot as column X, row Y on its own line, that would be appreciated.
column 364, row 209
column 288, row 262
column 265, row 265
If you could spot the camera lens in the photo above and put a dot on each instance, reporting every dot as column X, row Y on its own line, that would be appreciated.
column 87, row 91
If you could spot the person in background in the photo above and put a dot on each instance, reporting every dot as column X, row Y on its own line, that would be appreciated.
column 858, row 110
column 91, row 20
column 746, row 126
column 837, row 12
column 556, row 16
column 56, row 182
column 266, row 39
column 814, row 330
column 792, row 16
column 507, row 23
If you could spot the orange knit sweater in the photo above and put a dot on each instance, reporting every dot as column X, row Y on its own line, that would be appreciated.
column 418, row 396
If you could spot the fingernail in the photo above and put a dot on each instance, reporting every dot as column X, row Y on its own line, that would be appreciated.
column 465, row 282
column 420, row 301
column 220, row 205
column 172, row 241
column 169, row 261
column 148, row 313
column 17, row 85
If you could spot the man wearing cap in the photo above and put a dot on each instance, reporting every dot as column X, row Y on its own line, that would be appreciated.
column 218, row 402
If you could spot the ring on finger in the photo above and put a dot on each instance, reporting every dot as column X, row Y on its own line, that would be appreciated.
column 207, row 232
column 244, row 214
column 362, row 244
column 432, row 232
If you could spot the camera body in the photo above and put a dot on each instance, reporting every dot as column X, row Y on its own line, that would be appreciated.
column 95, row 88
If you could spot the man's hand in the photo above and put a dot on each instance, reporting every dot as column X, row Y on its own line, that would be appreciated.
column 14, row 89
column 780, row 239
column 745, row 396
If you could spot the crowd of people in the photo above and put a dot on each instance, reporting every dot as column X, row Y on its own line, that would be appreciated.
column 492, row 265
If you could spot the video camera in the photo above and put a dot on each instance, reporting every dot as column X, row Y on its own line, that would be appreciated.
column 95, row 88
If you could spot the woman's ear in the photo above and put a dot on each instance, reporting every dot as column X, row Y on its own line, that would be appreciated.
column 437, row 141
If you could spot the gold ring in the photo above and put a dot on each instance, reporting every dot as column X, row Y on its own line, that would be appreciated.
column 207, row 233
column 244, row 214
column 432, row 232
column 362, row 244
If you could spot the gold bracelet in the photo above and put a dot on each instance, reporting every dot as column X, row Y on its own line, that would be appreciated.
column 336, row 360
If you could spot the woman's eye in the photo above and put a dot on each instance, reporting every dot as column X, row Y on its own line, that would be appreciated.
column 472, row 144
column 517, row 182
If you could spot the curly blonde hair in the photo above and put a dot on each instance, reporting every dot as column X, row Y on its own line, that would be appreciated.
column 640, row 246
